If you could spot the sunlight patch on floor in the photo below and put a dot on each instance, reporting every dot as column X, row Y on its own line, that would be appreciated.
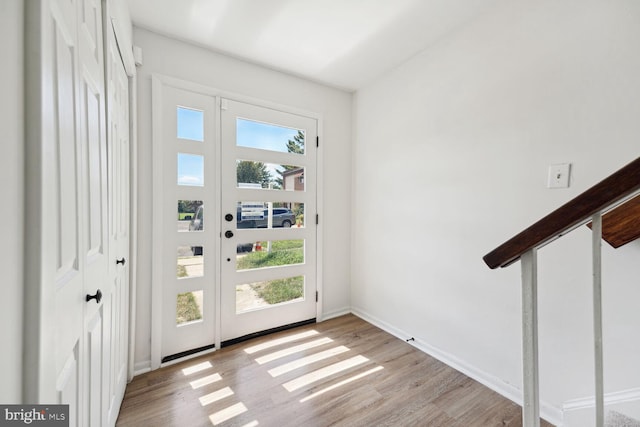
column 197, row 368
column 325, row 372
column 227, row 413
column 291, row 350
column 299, row 363
column 341, row 383
column 210, row 398
column 284, row 340
column 201, row 382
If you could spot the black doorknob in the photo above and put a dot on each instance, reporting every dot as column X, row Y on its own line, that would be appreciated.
column 121, row 261
column 228, row 234
column 97, row 296
column 228, row 217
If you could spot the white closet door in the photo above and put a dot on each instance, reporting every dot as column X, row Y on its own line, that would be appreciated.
column 118, row 171
column 73, row 297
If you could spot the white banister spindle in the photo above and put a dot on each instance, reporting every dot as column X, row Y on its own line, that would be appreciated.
column 597, row 316
column 531, row 399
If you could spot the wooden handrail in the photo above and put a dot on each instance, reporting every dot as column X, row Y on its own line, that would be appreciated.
column 610, row 191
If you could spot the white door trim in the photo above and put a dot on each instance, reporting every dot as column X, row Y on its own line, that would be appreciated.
column 133, row 232
column 157, row 221
column 157, row 82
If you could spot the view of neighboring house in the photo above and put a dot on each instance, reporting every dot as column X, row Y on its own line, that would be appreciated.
column 293, row 179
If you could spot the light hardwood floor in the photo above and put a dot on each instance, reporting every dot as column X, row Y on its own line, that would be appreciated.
column 342, row 372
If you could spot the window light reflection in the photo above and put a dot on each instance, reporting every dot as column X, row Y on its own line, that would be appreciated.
column 227, row 413
column 210, row 379
column 197, row 368
column 215, row 396
column 324, row 373
column 291, row 350
column 284, row 340
column 341, row 383
column 299, row 363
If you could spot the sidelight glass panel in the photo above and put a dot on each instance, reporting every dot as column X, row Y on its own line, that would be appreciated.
column 190, row 169
column 190, row 215
column 190, row 262
column 189, row 307
column 259, row 175
column 266, row 136
column 269, row 215
column 277, row 253
column 190, row 124
column 257, row 295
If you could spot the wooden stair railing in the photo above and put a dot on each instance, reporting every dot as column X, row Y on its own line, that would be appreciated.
column 611, row 209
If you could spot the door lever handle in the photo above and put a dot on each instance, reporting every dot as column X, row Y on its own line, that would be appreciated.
column 228, row 234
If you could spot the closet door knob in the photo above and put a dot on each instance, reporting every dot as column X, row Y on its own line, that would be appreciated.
column 121, row 261
column 97, row 297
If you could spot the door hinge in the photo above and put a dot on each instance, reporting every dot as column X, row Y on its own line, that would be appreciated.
column 317, row 219
column 316, row 296
column 317, row 141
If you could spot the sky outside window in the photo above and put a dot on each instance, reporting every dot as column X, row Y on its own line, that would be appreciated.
column 190, row 169
column 249, row 134
column 263, row 135
column 190, row 124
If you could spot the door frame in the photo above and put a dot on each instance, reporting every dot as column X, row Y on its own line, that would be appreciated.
column 157, row 83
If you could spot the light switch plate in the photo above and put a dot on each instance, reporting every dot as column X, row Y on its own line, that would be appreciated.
column 559, row 175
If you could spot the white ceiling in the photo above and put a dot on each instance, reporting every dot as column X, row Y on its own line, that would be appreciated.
column 342, row 43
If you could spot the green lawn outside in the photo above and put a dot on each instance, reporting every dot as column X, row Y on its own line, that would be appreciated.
column 281, row 290
column 283, row 252
column 187, row 309
column 276, row 257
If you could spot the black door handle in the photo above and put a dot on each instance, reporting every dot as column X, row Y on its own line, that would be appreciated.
column 228, row 217
column 121, row 261
column 228, row 234
column 97, row 297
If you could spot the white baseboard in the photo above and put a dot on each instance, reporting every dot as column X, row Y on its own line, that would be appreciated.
column 581, row 412
column 548, row 412
column 335, row 313
column 142, row 368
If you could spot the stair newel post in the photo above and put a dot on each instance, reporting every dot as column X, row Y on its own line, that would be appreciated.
column 597, row 316
column 530, row 383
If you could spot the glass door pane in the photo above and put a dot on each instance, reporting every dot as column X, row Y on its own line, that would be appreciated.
column 268, row 249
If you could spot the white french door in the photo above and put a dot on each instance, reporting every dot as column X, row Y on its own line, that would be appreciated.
column 268, row 250
column 185, row 182
column 234, row 219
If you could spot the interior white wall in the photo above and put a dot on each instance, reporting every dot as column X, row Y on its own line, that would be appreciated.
column 177, row 59
column 12, row 177
column 450, row 160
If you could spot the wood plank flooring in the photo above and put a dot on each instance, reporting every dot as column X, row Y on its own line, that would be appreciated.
column 342, row 372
